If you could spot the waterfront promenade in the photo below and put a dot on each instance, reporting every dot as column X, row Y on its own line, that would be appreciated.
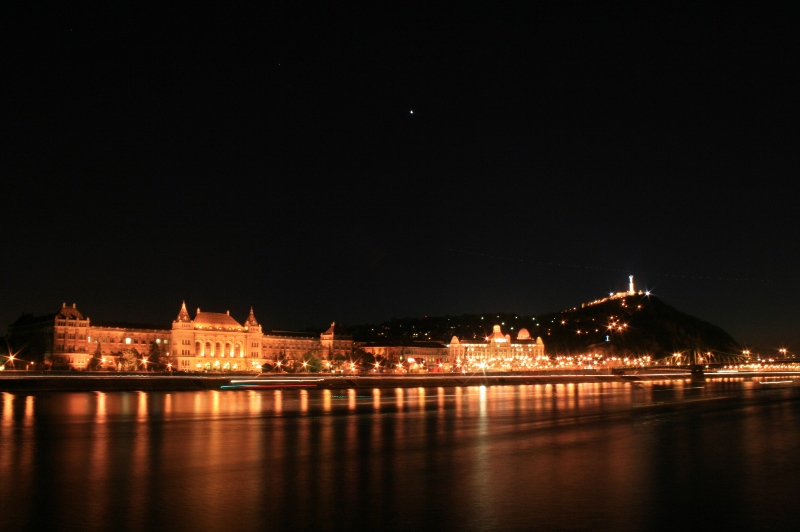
column 22, row 381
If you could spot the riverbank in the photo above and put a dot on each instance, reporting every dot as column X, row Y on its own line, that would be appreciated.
column 27, row 382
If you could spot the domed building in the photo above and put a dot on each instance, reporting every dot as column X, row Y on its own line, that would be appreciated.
column 499, row 351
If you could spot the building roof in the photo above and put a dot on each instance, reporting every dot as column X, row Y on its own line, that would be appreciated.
column 291, row 334
column 216, row 319
column 129, row 326
column 428, row 343
column 28, row 319
column 69, row 313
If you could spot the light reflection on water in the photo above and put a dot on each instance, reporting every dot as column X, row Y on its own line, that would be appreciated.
column 636, row 455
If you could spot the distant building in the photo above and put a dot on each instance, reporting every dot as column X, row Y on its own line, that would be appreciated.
column 499, row 351
column 495, row 352
column 333, row 344
column 422, row 354
column 66, row 339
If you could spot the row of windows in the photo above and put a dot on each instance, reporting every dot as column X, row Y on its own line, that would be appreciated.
column 68, row 348
column 70, row 336
column 126, row 341
column 497, row 348
column 69, row 360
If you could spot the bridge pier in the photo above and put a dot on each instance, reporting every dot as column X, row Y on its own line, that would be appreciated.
column 697, row 373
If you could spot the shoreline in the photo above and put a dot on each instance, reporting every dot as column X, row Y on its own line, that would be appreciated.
column 27, row 382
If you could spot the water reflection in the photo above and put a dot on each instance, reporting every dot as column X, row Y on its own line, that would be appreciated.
column 572, row 456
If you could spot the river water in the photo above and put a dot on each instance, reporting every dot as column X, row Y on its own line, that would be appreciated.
column 607, row 456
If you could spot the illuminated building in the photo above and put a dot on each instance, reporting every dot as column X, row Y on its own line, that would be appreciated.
column 494, row 352
column 499, row 351
column 209, row 341
column 424, row 353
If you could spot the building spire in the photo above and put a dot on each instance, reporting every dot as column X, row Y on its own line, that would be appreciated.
column 251, row 319
column 630, row 286
column 183, row 315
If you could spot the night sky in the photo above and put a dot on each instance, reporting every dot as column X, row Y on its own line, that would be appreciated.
column 321, row 163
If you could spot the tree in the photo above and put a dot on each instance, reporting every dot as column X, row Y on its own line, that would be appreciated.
column 96, row 361
column 311, row 363
column 129, row 359
column 338, row 359
column 381, row 362
column 363, row 360
column 285, row 364
column 154, row 355
column 168, row 362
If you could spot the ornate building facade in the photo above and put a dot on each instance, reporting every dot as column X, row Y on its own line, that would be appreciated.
column 211, row 341
column 499, row 351
column 496, row 352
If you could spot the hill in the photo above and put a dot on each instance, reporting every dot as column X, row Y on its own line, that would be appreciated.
column 631, row 326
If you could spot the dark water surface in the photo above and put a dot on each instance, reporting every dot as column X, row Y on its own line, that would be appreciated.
column 671, row 455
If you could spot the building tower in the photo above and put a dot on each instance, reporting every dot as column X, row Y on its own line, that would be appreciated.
column 630, row 286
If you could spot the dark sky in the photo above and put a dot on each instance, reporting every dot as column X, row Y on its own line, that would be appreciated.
column 231, row 157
